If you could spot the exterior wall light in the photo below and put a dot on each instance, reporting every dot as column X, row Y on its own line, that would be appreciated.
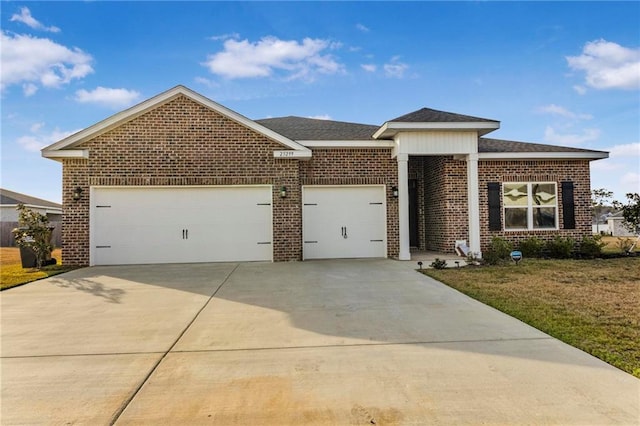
column 283, row 192
column 77, row 193
column 394, row 191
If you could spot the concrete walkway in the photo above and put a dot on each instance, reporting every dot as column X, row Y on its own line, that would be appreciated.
column 324, row 342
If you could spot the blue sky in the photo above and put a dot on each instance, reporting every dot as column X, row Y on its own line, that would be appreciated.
column 561, row 73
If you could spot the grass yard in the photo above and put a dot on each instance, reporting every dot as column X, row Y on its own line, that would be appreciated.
column 12, row 274
column 593, row 305
column 613, row 244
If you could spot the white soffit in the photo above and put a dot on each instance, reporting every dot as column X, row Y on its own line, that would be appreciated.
column 391, row 128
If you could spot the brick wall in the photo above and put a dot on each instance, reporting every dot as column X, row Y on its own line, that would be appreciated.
column 557, row 171
column 446, row 216
column 181, row 143
column 184, row 143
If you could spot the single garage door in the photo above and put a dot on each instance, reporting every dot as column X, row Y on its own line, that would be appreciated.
column 135, row 225
column 344, row 222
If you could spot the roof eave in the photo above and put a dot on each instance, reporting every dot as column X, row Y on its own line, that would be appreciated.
column 64, row 153
column 566, row 155
column 391, row 128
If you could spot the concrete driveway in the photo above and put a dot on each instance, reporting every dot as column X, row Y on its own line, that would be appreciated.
column 327, row 342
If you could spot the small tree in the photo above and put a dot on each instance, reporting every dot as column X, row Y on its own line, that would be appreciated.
column 631, row 215
column 599, row 198
column 34, row 233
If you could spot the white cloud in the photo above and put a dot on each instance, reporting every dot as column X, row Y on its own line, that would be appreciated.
column 580, row 90
column 113, row 98
column 369, row 67
column 362, row 28
column 206, row 82
column 320, row 117
column 624, row 151
column 588, row 135
column 33, row 60
column 29, row 89
column 26, row 18
column 395, row 68
column 298, row 60
column 224, row 36
column 608, row 65
column 37, row 140
column 554, row 109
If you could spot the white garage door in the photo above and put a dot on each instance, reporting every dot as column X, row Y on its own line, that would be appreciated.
column 134, row 225
column 344, row 222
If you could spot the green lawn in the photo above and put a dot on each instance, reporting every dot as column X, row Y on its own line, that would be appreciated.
column 593, row 305
column 12, row 274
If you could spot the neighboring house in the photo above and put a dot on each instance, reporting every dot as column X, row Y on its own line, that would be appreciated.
column 180, row 178
column 616, row 226
column 9, row 201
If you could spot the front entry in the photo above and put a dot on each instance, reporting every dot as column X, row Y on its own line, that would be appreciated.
column 414, row 238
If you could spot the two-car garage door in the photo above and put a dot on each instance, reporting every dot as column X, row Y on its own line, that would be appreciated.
column 132, row 225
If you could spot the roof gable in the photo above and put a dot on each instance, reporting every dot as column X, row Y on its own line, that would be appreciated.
column 428, row 115
column 13, row 198
column 65, row 147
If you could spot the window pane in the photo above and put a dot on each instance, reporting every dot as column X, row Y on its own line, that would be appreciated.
column 515, row 218
column 515, row 194
column 544, row 194
column 544, row 217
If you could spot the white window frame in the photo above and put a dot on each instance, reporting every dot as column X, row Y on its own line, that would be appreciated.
column 530, row 207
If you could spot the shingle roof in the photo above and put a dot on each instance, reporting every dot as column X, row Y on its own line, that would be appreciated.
column 299, row 128
column 11, row 198
column 498, row 145
column 428, row 115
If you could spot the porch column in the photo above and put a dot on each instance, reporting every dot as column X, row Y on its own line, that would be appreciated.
column 403, row 206
column 473, row 198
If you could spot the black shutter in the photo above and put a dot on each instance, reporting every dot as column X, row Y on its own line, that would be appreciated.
column 495, row 224
column 568, row 209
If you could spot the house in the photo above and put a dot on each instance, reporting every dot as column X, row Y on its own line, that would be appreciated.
column 616, row 226
column 181, row 178
column 9, row 201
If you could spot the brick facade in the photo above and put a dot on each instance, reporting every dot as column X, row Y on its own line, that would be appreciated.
column 185, row 143
column 576, row 171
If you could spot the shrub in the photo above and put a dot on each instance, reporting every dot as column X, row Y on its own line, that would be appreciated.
column 499, row 251
column 34, row 233
column 532, row 247
column 591, row 246
column 561, row 247
column 439, row 264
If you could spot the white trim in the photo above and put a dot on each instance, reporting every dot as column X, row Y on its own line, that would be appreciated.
column 143, row 107
column 473, row 198
column 47, row 210
column 530, row 207
column 390, row 128
column 284, row 154
column 403, row 207
column 589, row 155
column 348, row 143
column 70, row 153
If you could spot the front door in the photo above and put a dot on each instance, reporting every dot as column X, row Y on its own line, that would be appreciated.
column 414, row 240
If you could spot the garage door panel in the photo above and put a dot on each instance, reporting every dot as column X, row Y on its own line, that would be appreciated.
column 195, row 224
column 344, row 222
